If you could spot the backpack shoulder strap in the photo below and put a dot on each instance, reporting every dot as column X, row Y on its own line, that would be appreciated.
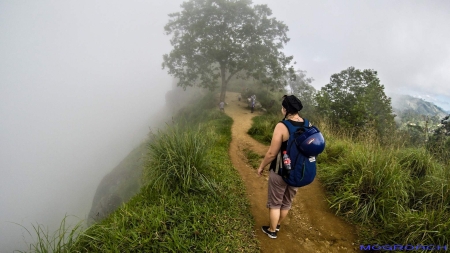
column 291, row 128
column 306, row 123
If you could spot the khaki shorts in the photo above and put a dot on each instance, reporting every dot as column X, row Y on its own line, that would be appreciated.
column 280, row 194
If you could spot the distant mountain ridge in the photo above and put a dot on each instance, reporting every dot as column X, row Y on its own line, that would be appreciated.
column 402, row 103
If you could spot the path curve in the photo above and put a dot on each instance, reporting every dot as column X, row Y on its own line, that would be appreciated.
column 310, row 225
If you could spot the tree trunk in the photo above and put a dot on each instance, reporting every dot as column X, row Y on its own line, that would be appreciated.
column 224, row 83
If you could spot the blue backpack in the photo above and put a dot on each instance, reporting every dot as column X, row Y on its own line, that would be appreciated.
column 304, row 144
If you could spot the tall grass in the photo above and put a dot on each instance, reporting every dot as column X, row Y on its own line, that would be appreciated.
column 394, row 195
column 61, row 240
column 417, row 161
column 179, row 159
column 366, row 182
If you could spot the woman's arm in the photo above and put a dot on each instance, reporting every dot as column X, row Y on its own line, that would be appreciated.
column 275, row 145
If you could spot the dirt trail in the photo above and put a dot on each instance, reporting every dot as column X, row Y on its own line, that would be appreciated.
column 310, row 225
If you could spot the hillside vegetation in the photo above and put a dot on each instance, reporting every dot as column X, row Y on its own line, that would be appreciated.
column 192, row 199
column 394, row 194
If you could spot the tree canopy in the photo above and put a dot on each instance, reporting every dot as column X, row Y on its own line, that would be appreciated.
column 355, row 98
column 439, row 142
column 215, row 39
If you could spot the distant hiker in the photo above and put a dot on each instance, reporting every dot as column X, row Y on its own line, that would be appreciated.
column 280, row 194
column 253, row 101
column 221, row 106
column 239, row 97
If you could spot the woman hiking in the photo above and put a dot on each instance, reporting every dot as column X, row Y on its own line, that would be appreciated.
column 280, row 194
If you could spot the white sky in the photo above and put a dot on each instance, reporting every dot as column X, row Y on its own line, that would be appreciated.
column 405, row 41
column 79, row 81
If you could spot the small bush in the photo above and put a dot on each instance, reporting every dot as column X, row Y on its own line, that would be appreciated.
column 432, row 192
column 263, row 126
column 178, row 159
column 418, row 162
column 334, row 151
column 369, row 185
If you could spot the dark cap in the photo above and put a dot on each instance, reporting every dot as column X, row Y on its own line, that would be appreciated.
column 292, row 104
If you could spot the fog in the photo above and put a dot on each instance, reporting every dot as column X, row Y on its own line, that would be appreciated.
column 81, row 82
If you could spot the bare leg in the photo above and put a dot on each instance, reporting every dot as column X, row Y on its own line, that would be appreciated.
column 274, row 216
column 283, row 214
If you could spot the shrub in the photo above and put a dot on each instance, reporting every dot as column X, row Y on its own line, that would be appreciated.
column 334, row 151
column 426, row 227
column 263, row 126
column 368, row 185
column 178, row 159
column 416, row 161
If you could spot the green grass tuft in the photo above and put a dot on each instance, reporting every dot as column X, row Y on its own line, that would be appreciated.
column 253, row 158
column 62, row 240
column 417, row 161
column 263, row 126
column 179, row 159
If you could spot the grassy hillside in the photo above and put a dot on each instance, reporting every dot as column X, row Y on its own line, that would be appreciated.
column 192, row 199
column 118, row 186
column 125, row 180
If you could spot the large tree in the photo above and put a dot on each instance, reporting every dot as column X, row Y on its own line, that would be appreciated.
column 355, row 98
column 215, row 39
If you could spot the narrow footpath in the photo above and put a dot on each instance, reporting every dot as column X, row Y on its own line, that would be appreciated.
column 310, row 226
